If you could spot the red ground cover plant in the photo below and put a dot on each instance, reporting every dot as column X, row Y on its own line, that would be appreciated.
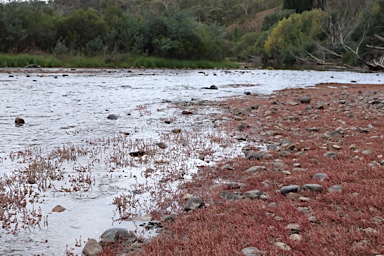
column 298, row 127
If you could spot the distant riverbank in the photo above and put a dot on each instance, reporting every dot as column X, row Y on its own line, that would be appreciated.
column 120, row 61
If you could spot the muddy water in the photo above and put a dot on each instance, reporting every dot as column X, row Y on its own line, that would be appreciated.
column 70, row 107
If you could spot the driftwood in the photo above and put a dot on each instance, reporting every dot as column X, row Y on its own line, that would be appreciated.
column 377, row 65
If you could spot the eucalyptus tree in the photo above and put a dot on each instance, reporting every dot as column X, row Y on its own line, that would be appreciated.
column 351, row 25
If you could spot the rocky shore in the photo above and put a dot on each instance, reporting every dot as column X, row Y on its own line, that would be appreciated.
column 310, row 181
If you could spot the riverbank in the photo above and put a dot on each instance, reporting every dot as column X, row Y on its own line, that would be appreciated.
column 314, row 188
column 34, row 61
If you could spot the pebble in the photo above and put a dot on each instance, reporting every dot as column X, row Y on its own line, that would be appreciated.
column 253, row 155
column 320, row 176
column 293, row 227
column 335, row 188
column 193, row 204
column 230, row 196
column 299, row 170
column 312, row 187
column 312, row 219
column 235, row 185
column 255, row 169
column 288, row 189
column 293, row 196
column 331, row 155
column 253, row 194
column 305, row 100
column 367, row 152
column 252, row 251
column 304, row 199
column 370, row 230
column 304, row 209
column 296, row 237
column 227, row 167
column 283, row 246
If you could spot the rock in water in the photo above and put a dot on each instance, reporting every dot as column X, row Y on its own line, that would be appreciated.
column 112, row 117
column 19, row 121
column 58, row 208
column 92, row 248
column 114, row 235
column 162, row 145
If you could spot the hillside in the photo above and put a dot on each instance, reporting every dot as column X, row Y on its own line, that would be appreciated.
column 255, row 22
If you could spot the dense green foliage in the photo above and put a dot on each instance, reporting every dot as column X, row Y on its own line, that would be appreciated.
column 35, row 26
column 303, row 5
column 294, row 34
column 113, row 32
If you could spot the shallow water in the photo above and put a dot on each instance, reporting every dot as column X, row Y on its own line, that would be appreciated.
column 67, row 107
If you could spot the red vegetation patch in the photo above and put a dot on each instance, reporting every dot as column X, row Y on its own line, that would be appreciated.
column 347, row 120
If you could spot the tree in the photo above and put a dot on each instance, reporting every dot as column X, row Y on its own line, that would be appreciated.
column 177, row 35
column 350, row 25
column 303, row 5
column 27, row 26
column 81, row 27
column 294, row 35
column 165, row 3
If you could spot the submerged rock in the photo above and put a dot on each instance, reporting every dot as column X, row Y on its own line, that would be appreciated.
column 212, row 87
column 162, row 145
column 112, row 117
column 138, row 153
